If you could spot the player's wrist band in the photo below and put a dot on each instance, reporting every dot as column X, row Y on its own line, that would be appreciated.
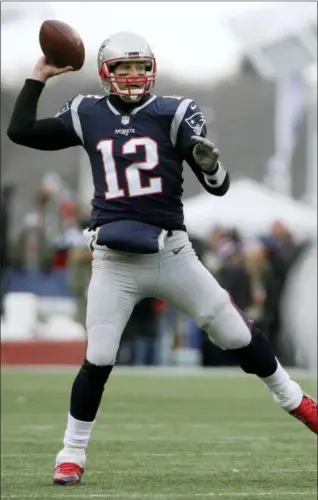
column 216, row 179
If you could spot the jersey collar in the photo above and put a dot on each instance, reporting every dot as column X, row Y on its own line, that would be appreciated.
column 134, row 110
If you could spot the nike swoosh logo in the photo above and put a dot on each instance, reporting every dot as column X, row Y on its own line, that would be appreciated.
column 177, row 250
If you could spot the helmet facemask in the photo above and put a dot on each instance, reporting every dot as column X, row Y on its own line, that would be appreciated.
column 136, row 86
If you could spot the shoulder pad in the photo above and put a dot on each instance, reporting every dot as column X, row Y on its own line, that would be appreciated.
column 94, row 96
column 84, row 103
column 80, row 103
column 90, row 100
column 177, row 97
column 69, row 104
column 169, row 104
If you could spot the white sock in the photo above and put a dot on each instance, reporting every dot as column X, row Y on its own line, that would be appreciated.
column 77, row 433
column 287, row 393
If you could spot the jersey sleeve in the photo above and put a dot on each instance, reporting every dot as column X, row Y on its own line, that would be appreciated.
column 70, row 117
column 47, row 134
column 187, row 122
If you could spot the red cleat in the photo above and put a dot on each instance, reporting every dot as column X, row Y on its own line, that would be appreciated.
column 307, row 412
column 67, row 474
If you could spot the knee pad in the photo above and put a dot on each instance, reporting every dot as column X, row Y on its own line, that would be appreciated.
column 100, row 374
column 102, row 344
column 87, row 391
column 227, row 328
column 258, row 357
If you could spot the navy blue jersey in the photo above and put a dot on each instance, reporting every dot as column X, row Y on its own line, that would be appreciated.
column 136, row 159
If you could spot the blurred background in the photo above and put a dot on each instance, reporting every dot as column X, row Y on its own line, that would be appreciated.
column 252, row 68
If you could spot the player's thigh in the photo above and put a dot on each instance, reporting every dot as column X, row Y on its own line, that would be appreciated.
column 112, row 295
column 187, row 284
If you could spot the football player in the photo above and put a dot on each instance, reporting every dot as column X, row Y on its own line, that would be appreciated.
column 136, row 143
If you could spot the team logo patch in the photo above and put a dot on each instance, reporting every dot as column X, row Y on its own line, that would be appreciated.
column 196, row 122
column 125, row 120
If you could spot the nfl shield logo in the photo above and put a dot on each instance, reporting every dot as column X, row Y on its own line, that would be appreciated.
column 125, row 120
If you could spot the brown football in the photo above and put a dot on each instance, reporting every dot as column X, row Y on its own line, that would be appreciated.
column 61, row 45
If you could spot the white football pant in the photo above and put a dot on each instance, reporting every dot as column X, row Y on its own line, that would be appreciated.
column 120, row 280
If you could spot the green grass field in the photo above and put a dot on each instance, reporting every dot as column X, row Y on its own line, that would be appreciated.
column 159, row 437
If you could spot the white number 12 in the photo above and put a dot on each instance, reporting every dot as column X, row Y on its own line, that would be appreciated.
column 135, row 188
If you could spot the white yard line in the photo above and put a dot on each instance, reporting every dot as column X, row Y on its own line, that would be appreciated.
column 130, row 437
column 154, row 471
column 166, row 371
column 142, row 454
column 170, row 496
column 114, row 423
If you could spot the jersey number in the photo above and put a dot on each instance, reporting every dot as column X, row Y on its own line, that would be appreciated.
column 135, row 188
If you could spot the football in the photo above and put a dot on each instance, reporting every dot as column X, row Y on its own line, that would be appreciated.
column 61, row 45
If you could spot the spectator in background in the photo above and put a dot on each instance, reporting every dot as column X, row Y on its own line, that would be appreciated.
column 281, row 251
column 79, row 271
column 139, row 340
column 72, row 247
column 210, row 255
column 264, row 290
column 33, row 248
column 70, row 232
column 232, row 274
column 225, row 259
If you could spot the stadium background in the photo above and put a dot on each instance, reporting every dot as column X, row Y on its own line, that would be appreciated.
column 265, row 126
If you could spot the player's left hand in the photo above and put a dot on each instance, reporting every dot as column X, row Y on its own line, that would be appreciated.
column 205, row 154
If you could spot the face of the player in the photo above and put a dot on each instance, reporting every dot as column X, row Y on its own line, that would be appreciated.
column 130, row 71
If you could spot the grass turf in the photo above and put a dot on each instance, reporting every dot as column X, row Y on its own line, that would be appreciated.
column 159, row 437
